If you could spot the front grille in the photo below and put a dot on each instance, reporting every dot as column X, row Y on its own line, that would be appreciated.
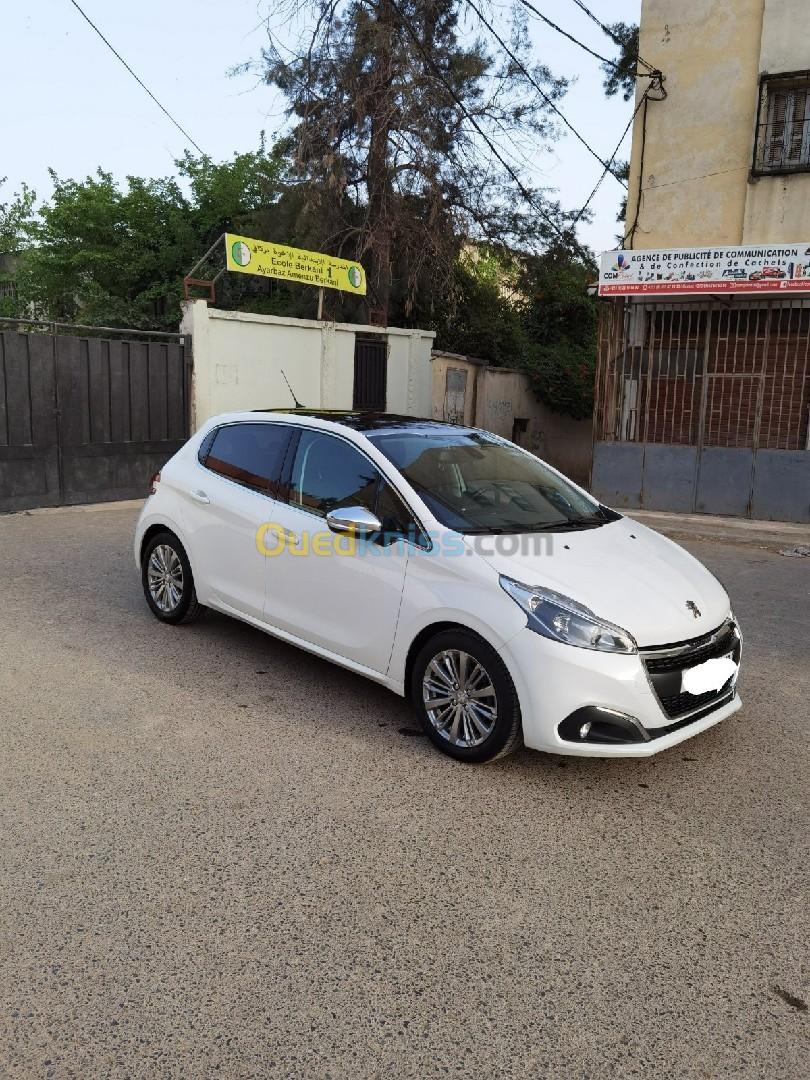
column 690, row 653
column 665, row 664
column 678, row 704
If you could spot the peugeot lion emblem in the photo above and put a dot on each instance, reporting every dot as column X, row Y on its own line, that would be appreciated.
column 693, row 608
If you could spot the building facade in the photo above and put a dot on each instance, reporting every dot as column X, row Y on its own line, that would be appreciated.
column 703, row 386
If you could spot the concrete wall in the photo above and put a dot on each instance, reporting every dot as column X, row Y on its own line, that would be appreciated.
column 504, row 395
column 696, row 187
column 442, row 407
column 496, row 397
column 238, row 359
column 772, row 485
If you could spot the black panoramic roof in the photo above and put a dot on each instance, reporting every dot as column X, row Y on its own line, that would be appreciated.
column 370, row 421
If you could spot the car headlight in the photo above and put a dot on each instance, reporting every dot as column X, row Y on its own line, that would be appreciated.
column 562, row 619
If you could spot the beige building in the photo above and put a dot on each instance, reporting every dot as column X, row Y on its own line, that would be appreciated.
column 702, row 401
column 726, row 157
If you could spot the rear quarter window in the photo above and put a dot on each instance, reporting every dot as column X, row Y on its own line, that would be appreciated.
column 248, row 454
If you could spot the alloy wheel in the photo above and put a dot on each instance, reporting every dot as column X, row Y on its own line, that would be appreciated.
column 459, row 698
column 165, row 578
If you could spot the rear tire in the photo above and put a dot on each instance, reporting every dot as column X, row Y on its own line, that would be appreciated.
column 168, row 583
column 465, row 698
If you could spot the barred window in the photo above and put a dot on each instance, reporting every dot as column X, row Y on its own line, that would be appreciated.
column 783, row 135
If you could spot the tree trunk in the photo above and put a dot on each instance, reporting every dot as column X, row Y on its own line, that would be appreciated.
column 379, row 173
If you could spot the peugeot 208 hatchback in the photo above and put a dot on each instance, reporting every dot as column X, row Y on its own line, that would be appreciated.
column 452, row 567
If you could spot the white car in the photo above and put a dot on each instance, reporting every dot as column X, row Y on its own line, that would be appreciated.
column 451, row 566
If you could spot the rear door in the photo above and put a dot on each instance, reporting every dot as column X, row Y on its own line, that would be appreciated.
column 234, row 492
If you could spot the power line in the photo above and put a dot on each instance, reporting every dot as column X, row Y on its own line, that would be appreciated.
column 597, row 20
column 140, row 82
column 540, row 91
column 608, row 167
column 544, row 18
column 606, row 30
column 651, row 72
column 567, row 238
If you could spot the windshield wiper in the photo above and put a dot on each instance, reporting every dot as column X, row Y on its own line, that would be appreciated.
column 551, row 526
column 568, row 524
column 487, row 531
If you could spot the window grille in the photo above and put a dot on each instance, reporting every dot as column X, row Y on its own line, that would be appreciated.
column 783, row 129
column 705, row 374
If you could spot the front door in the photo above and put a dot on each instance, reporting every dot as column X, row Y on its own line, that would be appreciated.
column 331, row 591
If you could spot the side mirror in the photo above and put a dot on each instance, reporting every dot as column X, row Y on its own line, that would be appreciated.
column 355, row 520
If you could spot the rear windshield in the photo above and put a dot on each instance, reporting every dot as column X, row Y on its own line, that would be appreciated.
column 474, row 482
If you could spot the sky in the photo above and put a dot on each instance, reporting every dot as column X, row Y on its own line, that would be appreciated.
column 70, row 105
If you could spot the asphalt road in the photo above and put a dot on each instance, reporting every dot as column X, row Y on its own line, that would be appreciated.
column 221, row 857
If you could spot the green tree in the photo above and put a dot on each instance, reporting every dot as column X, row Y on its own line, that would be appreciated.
column 483, row 319
column 532, row 313
column 620, row 76
column 559, row 320
column 622, row 171
column 105, row 253
column 15, row 223
column 15, row 220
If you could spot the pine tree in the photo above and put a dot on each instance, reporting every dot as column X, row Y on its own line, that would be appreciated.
column 411, row 129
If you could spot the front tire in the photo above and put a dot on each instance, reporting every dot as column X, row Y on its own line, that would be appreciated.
column 465, row 697
column 168, row 583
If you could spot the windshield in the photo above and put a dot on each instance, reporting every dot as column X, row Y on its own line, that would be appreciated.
column 474, row 482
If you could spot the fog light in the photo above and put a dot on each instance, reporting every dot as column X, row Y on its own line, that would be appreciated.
column 584, row 731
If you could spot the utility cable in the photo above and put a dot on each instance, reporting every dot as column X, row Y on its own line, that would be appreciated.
column 140, row 82
column 544, row 18
column 606, row 30
column 515, row 60
column 567, row 238
column 608, row 167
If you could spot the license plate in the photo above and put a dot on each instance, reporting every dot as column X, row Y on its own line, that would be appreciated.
column 708, row 676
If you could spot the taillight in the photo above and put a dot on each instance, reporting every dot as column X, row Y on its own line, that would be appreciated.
column 153, row 483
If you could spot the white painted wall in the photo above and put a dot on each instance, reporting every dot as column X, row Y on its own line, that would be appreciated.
column 238, row 359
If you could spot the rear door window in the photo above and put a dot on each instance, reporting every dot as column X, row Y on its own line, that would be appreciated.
column 251, row 455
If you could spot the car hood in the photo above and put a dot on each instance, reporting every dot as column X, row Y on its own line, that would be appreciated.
column 624, row 572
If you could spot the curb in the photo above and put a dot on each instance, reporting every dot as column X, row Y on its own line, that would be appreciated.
column 85, row 508
column 768, row 535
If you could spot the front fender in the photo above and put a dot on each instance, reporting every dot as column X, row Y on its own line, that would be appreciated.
column 462, row 590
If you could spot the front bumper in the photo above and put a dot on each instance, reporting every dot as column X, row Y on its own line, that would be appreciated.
column 555, row 681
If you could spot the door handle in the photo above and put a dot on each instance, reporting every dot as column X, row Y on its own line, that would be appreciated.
column 200, row 497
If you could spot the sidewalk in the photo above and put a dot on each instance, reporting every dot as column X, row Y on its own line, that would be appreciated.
column 773, row 535
column 81, row 508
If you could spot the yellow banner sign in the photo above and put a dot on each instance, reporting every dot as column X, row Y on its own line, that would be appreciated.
column 293, row 264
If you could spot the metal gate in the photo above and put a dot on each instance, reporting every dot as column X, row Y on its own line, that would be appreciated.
column 370, row 373
column 86, row 417
column 705, row 407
